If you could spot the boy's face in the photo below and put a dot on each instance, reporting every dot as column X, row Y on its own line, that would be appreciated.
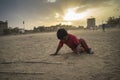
column 65, row 38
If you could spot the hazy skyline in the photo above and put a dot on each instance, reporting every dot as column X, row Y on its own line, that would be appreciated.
column 52, row 12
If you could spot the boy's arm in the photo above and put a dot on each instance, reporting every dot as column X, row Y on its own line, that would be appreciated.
column 58, row 48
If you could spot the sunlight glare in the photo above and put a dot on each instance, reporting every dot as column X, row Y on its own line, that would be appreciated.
column 71, row 14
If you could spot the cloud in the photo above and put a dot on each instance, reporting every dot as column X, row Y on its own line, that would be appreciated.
column 40, row 10
column 86, row 4
column 51, row 1
column 44, row 7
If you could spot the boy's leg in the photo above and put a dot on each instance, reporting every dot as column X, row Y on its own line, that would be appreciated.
column 84, row 45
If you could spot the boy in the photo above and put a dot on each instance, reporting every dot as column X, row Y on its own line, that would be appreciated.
column 77, row 45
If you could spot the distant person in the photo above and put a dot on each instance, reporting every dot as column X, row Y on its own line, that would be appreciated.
column 103, row 27
column 77, row 45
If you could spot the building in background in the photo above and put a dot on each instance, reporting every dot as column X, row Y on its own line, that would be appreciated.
column 3, row 27
column 91, row 23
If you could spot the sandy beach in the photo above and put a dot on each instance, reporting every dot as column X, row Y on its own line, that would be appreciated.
column 27, row 57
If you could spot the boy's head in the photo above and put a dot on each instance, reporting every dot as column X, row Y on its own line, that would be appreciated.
column 61, row 34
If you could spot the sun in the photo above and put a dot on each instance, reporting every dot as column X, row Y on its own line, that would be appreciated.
column 71, row 14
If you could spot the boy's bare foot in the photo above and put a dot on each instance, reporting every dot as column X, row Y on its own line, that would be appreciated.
column 90, row 51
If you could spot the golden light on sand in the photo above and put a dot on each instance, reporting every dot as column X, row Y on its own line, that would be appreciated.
column 71, row 14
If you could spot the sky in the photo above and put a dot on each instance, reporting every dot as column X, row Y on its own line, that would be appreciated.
column 36, row 13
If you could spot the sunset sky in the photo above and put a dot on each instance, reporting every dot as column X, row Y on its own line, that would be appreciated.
column 52, row 12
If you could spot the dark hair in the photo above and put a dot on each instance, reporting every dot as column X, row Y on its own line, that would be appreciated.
column 61, row 33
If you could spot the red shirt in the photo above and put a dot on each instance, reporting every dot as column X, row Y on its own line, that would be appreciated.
column 72, row 42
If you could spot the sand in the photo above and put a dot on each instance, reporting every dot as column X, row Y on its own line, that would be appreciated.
column 27, row 57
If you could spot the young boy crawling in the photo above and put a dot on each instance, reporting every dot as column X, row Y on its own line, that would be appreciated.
column 77, row 45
